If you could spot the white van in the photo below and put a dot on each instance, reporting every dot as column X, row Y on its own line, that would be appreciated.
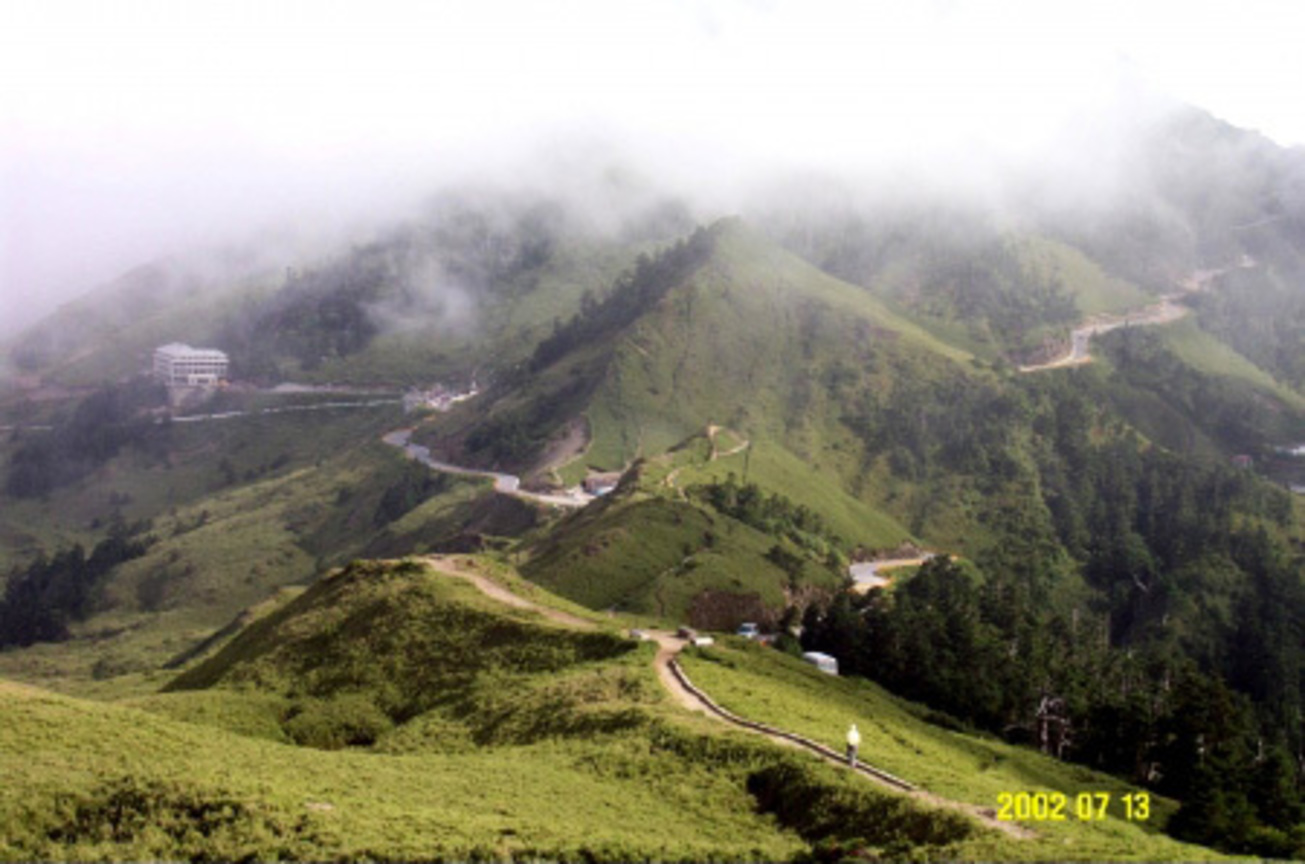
column 822, row 661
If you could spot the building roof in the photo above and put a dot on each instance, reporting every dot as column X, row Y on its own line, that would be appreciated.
column 180, row 350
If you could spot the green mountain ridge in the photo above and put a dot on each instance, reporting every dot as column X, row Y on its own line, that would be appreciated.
column 778, row 402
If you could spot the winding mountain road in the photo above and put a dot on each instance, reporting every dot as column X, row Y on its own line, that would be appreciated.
column 507, row 484
column 673, row 678
column 285, row 409
column 1166, row 311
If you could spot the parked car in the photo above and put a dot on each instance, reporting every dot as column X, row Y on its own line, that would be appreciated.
column 686, row 632
column 702, row 641
column 748, row 630
column 641, row 635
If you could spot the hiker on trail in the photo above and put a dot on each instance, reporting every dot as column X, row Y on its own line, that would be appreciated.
column 853, row 742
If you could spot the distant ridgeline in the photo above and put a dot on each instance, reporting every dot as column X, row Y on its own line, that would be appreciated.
column 511, row 437
column 632, row 295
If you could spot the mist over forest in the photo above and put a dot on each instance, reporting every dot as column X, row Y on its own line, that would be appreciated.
column 514, row 431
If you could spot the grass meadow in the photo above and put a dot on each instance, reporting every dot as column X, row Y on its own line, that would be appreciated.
column 770, row 687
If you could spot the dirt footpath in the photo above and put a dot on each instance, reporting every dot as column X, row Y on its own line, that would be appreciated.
column 454, row 567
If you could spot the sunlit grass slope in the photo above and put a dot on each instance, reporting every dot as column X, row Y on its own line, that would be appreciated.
column 229, row 550
column 373, row 627
column 1205, row 353
column 1094, row 290
column 510, row 737
column 779, row 353
column 777, row 469
column 90, row 781
column 768, row 686
column 140, row 487
column 521, row 743
column 744, row 343
column 654, row 556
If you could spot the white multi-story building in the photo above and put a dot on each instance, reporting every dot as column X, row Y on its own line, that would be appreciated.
column 179, row 365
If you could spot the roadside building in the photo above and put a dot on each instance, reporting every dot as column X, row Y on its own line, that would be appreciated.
column 179, row 365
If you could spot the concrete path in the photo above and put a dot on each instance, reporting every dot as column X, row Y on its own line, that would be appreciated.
column 1166, row 311
column 688, row 696
column 507, row 484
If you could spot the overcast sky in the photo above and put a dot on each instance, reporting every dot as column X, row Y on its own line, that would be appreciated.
column 132, row 128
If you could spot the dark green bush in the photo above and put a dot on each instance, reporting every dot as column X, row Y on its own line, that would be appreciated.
column 152, row 820
column 833, row 814
column 347, row 720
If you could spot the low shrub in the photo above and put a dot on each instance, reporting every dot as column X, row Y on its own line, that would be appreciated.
column 347, row 720
column 135, row 819
column 847, row 816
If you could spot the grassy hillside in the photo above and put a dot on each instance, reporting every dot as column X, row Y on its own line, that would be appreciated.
column 774, row 467
column 199, row 460
column 89, row 781
column 667, row 559
column 773, row 688
column 474, row 730
column 749, row 337
column 725, row 328
column 1094, row 290
column 1205, row 353
column 465, row 728
column 1190, row 392
column 744, row 342
column 438, row 634
column 231, row 548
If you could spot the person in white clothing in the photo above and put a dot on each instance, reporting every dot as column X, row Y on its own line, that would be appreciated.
column 853, row 742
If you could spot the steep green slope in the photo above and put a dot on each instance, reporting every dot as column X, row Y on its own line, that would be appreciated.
column 1205, row 353
column 770, row 687
column 1093, row 289
column 1189, row 391
column 671, row 560
column 771, row 466
column 744, row 342
column 723, row 328
column 438, row 635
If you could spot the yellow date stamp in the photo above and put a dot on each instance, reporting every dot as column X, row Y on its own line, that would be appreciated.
column 1083, row 807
